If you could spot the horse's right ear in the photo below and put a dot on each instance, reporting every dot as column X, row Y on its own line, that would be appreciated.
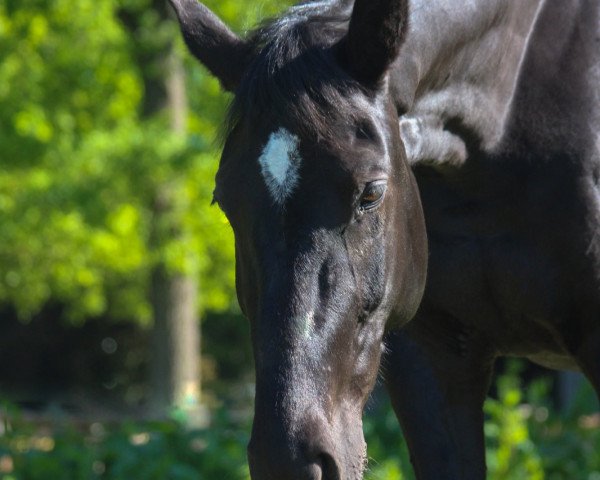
column 219, row 49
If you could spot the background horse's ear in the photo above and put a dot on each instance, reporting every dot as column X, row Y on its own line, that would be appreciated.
column 376, row 32
column 212, row 42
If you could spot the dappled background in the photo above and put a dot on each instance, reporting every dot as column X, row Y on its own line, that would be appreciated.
column 123, row 354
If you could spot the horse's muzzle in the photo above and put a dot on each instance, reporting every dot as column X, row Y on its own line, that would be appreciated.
column 312, row 459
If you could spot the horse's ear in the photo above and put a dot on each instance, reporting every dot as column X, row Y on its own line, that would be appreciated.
column 376, row 32
column 212, row 42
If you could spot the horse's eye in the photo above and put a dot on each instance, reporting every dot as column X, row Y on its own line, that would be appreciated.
column 372, row 195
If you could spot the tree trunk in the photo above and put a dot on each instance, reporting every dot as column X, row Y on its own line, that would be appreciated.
column 175, row 361
column 176, row 345
column 175, row 357
column 176, row 335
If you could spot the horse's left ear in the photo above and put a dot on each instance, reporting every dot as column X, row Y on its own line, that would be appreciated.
column 376, row 32
column 219, row 49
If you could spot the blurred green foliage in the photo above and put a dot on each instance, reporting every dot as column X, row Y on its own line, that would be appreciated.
column 81, row 165
column 512, row 453
column 525, row 440
column 149, row 451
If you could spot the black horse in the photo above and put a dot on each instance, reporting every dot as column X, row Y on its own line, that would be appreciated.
column 496, row 105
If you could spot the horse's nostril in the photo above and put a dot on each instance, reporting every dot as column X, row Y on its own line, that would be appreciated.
column 328, row 467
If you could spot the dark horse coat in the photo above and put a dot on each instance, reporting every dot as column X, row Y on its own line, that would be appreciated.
column 496, row 105
column 513, row 221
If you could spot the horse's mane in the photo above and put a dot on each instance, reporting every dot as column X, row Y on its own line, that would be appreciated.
column 294, row 80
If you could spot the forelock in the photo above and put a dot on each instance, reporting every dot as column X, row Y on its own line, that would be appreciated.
column 295, row 80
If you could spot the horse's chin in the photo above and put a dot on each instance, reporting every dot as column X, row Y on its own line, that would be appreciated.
column 356, row 459
column 361, row 464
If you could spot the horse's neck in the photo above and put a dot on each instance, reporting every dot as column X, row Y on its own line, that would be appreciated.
column 457, row 72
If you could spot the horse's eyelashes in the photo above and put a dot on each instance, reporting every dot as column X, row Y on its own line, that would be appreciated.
column 372, row 195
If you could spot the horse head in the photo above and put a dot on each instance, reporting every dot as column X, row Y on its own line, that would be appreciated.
column 329, row 231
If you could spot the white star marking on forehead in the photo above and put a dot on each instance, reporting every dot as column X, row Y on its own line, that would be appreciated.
column 280, row 162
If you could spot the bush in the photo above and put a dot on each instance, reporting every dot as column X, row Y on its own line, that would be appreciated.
column 148, row 451
column 526, row 440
